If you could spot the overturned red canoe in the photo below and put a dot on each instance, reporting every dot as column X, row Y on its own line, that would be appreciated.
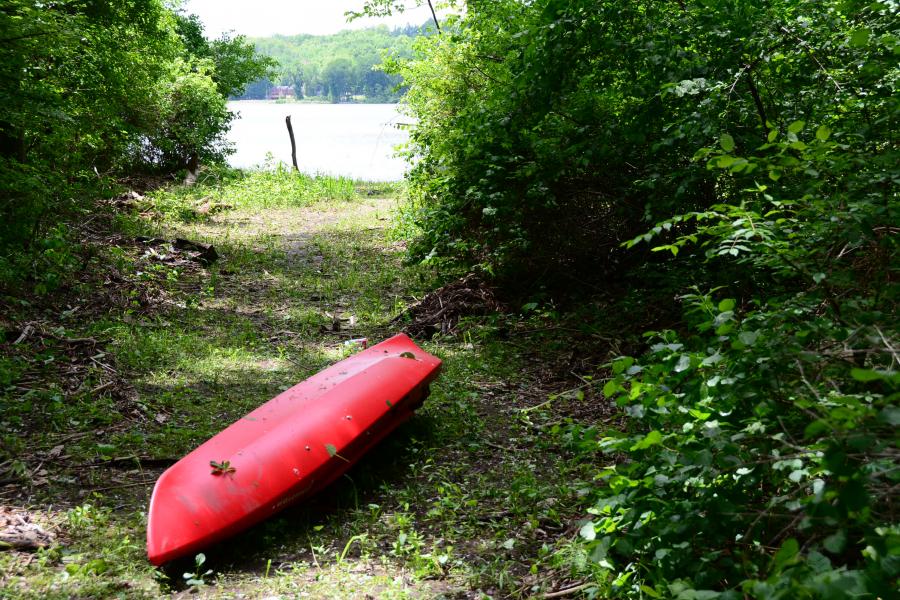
column 287, row 449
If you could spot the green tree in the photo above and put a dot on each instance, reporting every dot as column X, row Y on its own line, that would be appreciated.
column 304, row 58
column 78, row 84
column 338, row 77
column 86, row 88
column 236, row 62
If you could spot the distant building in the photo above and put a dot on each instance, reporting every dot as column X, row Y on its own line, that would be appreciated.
column 280, row 91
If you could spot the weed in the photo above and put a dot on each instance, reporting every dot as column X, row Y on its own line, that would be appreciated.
column 197, row 578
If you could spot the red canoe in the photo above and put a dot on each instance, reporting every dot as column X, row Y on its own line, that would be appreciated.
column 287, row 449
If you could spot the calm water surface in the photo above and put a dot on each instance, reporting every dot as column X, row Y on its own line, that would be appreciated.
column 355, row 140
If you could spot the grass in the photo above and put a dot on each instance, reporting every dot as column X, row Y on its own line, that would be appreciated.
column 475, row 497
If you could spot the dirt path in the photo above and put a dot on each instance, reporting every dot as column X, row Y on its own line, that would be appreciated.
column 470, row 499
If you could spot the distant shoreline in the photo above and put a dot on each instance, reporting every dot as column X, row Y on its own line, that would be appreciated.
column 313, row 102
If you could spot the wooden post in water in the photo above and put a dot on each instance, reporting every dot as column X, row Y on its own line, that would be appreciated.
column 287, row 120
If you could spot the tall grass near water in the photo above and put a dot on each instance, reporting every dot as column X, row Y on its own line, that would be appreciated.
column 279, row 187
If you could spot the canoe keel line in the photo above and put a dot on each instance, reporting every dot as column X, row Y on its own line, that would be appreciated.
column 288, row 449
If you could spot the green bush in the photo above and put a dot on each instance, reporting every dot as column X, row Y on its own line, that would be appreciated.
column 548, row 132
column 761, row 449
column 193, row 119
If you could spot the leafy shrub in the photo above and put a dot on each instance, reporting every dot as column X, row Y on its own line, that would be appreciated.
column 89, row 87
column 193, row 119
column 759, row 457
column 762, row 444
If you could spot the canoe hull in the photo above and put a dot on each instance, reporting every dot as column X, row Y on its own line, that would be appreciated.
column 287, row 449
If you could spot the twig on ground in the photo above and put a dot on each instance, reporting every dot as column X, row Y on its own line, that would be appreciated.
column 123, row 485
column 566, row 591
column 499, row 447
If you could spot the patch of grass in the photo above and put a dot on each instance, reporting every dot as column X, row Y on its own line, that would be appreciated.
column 101, row 557
column 224, row 188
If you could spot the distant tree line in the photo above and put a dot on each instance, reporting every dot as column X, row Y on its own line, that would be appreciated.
column 340, row 67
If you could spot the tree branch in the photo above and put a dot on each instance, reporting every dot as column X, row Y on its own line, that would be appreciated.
column 760, row 109
column 434, row 16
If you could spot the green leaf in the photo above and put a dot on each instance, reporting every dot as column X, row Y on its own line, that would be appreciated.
column 860, row 38
column 823, row 133
column 796, row 126
column 748, row 337
column 670, row 248
column 773, row 135
column 818, row 562
column 816, row 428
column 835, row 543
column 891, row 416
column 651, row 439
column 621, row 364
column 726, row 305
column 588, row 532
column 727, row 142
column 331, row 449
column 787, row 554
column 611, row 387
column 725, row 161
column 866, row 375
column 650, row 591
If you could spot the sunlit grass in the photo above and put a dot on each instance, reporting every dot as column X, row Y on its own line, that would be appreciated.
column 279, row 187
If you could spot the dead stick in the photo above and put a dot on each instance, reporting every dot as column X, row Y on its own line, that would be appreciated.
column 290, row 129
column 567, row 591
column 124, row 485
column 434, row 16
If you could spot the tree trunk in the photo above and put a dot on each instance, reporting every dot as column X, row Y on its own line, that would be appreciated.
column 192, row 167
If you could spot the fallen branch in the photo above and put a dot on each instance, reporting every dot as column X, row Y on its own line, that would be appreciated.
column 17, row 532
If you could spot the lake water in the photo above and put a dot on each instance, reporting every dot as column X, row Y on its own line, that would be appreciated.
column 355, row 140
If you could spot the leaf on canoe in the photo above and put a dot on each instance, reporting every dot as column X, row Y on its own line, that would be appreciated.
column 408, row 355
column 332, row 451
column 221, row 468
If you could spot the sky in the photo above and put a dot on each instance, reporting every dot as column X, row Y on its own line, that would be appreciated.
column 260, row 18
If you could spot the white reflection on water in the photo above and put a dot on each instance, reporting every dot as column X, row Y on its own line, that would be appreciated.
column 355, row 140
